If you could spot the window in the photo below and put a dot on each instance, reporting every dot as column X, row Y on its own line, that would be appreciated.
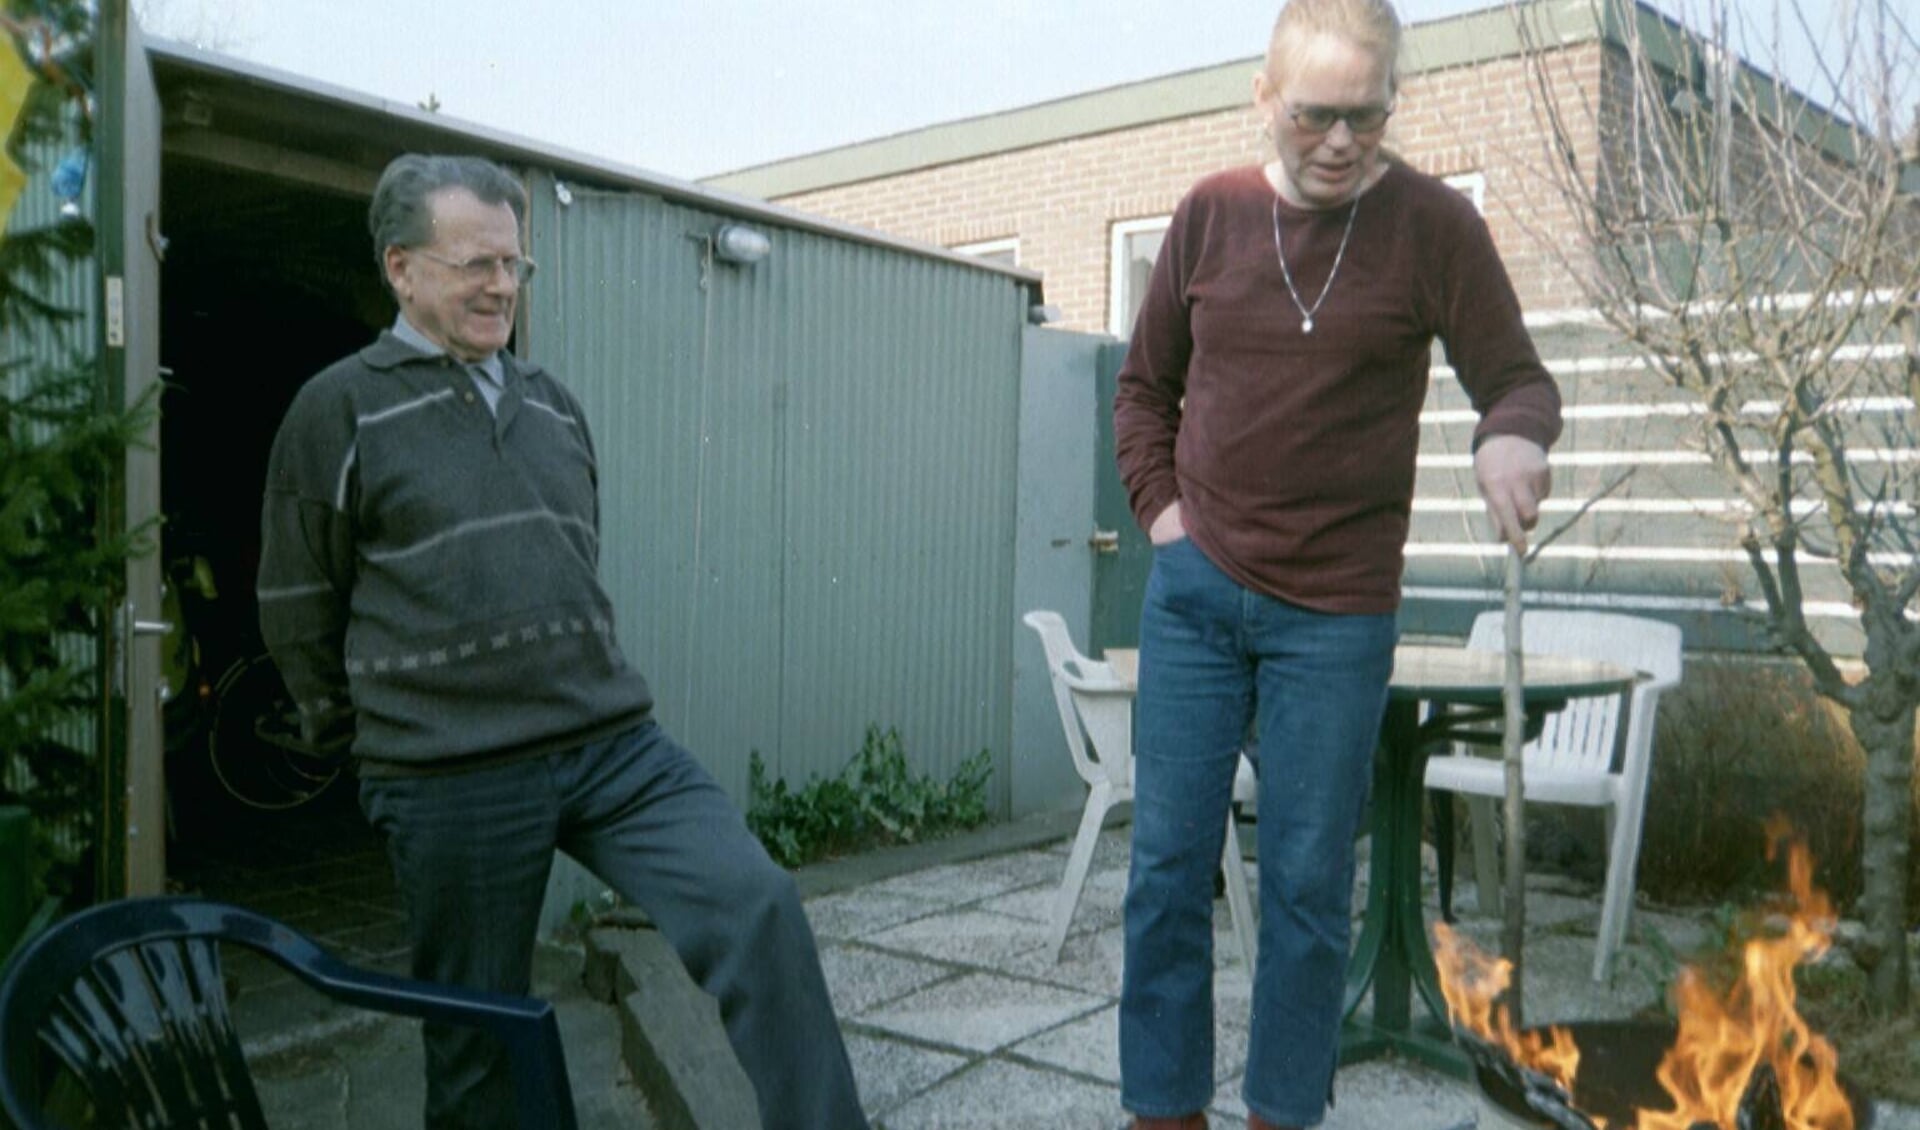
column 1006, row 251
column 1473, row 186
column 1136, row 244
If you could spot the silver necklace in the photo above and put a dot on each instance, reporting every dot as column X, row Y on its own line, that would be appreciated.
column 1307, row 312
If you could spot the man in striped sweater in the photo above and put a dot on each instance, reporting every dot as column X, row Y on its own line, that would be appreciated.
column 429, row 590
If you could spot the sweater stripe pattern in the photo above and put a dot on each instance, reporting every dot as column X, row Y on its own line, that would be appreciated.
column 429, row 569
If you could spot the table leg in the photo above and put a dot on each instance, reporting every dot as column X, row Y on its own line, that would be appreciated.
column 1393, row 957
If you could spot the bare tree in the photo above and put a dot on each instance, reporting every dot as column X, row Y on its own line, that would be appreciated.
column 214, row 25
column 1753, row 242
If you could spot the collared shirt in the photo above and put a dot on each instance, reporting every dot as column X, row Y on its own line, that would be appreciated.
column 489, row 375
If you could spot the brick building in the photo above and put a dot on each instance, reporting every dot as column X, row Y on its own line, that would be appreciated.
column 1080, row 188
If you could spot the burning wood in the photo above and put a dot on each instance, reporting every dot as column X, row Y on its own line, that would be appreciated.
column 1742, row 1058
column 1543, row 1094
column 1761, row 1107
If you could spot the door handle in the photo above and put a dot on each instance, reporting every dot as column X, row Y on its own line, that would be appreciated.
column 1105, row 541
column 161, row 690
column 130, row 628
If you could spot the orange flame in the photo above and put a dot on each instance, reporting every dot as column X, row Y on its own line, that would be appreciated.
column 1472, row 982
column 1723, row 1035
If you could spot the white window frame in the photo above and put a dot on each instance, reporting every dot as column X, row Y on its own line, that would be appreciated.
column 991, row 247
column 1471, row 185
column 1117, row 264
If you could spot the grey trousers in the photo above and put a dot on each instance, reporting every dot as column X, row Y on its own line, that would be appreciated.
column 471, row 852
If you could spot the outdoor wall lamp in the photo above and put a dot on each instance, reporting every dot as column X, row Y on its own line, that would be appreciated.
column 738, row 243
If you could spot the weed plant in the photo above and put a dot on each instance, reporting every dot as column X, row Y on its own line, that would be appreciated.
column 876, row 800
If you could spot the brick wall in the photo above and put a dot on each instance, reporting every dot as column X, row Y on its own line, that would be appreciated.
column 1060, row 200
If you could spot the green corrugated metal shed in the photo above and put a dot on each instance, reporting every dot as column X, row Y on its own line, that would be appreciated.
column 807, row 475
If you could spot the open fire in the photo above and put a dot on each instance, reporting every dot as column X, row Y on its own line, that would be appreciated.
column 1742, row 1055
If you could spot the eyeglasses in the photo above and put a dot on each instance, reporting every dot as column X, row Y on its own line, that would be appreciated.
column 1322, row 119
column 484, row 268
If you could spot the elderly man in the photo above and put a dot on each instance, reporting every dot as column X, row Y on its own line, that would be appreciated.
column 429, row 589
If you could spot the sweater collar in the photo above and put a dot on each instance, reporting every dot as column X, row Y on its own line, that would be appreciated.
column 389, row 351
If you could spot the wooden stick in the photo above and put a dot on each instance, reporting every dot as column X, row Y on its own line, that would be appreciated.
column 1513, row 738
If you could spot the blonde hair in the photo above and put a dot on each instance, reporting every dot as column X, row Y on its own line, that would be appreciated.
column 1371, row 25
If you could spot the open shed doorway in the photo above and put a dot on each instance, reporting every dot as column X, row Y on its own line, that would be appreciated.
column 264, row 283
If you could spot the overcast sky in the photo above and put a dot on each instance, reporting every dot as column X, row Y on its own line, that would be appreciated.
column 694, row 87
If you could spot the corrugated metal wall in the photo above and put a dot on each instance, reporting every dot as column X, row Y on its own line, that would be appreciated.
column 808, row 475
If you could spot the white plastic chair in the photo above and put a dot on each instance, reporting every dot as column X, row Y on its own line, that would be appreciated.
column 1096, row 713
column 1573, row 760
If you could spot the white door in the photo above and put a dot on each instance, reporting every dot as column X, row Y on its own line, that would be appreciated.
column 127, row 138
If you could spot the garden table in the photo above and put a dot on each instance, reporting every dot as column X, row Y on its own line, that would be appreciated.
column 1394, row 957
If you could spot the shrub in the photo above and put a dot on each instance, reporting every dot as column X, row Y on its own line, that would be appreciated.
column 1736, row 742
column 874, row 801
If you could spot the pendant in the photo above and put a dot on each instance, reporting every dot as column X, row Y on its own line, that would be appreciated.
column 1306, row 325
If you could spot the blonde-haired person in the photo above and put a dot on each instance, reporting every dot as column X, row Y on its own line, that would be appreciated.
column 1267, row 419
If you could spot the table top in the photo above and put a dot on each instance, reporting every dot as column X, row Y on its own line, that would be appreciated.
column 1453, row 674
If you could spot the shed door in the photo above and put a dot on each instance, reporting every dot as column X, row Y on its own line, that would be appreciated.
column 1120, row 568
column 132, row 831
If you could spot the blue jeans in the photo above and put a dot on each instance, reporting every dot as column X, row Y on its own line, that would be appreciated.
column 1215, row 657
column 471, row 853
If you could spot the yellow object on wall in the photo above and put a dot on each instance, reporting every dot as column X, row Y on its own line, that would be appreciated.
column 15, row 80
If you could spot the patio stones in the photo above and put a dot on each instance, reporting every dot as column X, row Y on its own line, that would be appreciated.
column 980, row 1012
column 857, row 913
column 955, row 1016
column 889, row 1072
column 1091, row 962
column 1383, row 1093
column 1087, row 1046
column 995, row 1095
column 968, row 937
column 1091, row 1046
column 963, row 883
column 859, row 978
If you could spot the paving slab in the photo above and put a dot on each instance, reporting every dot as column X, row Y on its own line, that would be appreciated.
column 1091, row 962
column 1384, row 1094
column 978, row 938
column 963, row 883
column 860, row 978
column 1090, row 1046
column 848, row 915
column 980, row 1012
column 1102, row 899
column 891, row 1071
column 996, row 1095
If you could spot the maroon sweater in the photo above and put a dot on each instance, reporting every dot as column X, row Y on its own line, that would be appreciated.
column 1292, row 454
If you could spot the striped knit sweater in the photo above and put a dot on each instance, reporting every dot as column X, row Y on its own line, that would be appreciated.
column 429, row 570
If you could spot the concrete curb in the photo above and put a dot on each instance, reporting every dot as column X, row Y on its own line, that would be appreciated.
column 670, row 1033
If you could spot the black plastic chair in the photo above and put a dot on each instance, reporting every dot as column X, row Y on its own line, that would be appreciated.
column 129, row 997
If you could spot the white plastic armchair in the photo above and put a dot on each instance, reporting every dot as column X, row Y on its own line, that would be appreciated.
column 1096, row 714
column 1574, row 761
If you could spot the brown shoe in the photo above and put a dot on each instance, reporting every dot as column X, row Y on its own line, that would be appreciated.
column 1195, row 1121
column 1255, row 1122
